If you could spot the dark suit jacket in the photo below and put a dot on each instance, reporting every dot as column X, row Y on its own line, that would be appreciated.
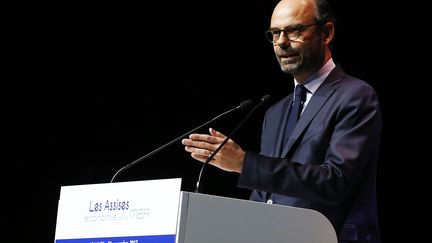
column 329, row 162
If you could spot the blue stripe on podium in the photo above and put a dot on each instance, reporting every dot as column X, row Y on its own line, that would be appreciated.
column 125, row 239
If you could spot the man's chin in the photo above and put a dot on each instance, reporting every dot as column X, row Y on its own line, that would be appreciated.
column 289, row 68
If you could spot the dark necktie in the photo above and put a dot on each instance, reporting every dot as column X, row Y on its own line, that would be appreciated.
column 295, row 111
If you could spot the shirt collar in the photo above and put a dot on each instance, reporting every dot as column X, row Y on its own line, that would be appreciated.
column 313, row 82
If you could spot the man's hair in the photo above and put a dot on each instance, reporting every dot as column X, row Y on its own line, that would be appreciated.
column 325, row 12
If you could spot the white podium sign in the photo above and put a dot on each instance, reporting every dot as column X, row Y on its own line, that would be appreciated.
column 132, row 212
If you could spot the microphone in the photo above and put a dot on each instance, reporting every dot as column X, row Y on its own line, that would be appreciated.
column 264, row 100
column 243, row 106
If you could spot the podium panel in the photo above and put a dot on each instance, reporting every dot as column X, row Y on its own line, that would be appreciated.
column 132, row 212
column 214, row 219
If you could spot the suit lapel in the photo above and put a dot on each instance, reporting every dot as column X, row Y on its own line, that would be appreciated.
column 281, row 127
column 317, row 101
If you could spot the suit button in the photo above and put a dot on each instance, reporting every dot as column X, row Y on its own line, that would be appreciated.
column 270, row 201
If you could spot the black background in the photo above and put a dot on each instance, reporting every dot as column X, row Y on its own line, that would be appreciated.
column 94, row 87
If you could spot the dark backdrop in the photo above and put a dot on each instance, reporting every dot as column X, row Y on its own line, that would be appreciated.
column 95, row 87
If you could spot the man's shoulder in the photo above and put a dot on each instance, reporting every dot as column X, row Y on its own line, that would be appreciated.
column 343, row 82
column 347, row 80
column 279, row 105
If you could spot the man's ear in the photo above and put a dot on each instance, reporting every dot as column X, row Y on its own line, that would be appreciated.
column 328, row 31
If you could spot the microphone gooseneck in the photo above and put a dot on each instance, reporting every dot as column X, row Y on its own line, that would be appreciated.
column 243, row 106
column 264, row 100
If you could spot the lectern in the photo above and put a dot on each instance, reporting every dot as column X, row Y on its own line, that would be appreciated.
column 157, row 211
column 214, row 219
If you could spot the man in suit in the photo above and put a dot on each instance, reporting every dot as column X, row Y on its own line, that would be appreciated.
column 327, row 161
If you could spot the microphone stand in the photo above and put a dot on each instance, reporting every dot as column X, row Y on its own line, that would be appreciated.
column 243, row 105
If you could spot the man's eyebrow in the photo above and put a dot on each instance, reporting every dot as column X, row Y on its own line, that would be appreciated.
column 290, row 27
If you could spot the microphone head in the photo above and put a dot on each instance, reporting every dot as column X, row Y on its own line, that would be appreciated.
column 265, row 99
column 245, row 104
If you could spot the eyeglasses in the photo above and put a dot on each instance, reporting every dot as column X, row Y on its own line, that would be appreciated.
column 292, row 33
